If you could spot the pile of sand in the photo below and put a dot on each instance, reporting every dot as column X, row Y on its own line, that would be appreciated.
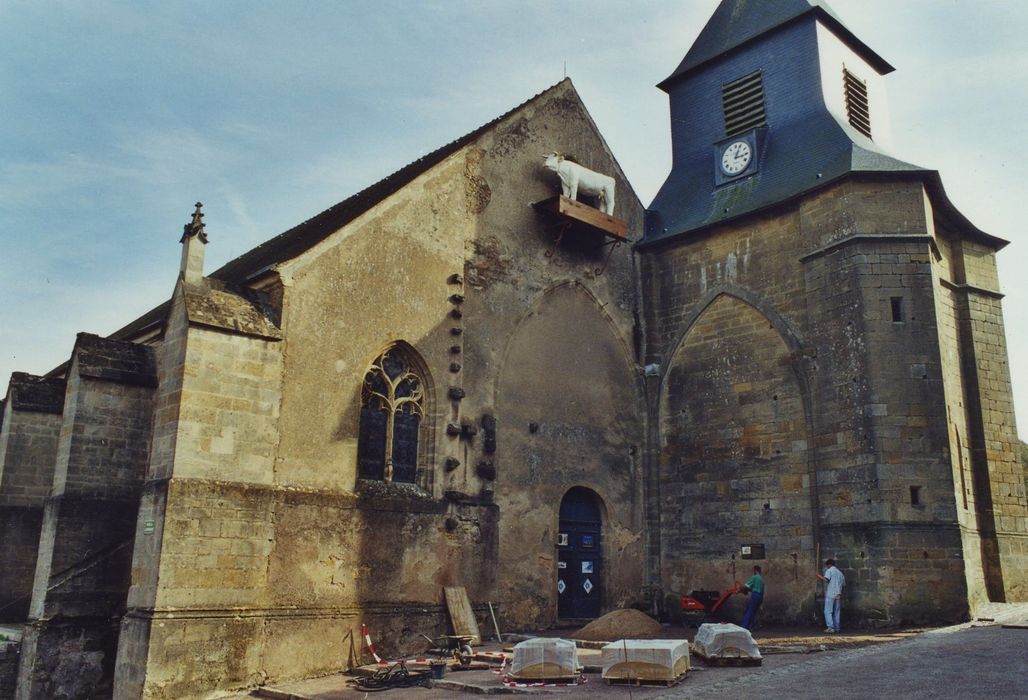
column 620, row 624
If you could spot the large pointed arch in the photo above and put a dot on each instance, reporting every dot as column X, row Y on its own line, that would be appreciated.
column 734, row 446
column 569, row 412
column 762, row 305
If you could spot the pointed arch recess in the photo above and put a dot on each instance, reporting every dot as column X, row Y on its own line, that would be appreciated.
column 760, row 306
column 791, row 339
column 733, row 426
column 537, row 303
column 413, row 397
column 569, row 399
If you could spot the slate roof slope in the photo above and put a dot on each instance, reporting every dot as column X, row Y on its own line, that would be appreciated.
column 154, row 317
column 231, row 277
column 737, row 22
column 836, row 157
column 807, row 148
column 305, row 235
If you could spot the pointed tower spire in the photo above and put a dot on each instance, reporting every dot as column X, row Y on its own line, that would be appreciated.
column 194, row 242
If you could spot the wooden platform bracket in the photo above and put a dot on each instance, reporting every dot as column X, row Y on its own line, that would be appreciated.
column 573, row 215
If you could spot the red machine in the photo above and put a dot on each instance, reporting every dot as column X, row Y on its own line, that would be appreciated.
column 705, row 604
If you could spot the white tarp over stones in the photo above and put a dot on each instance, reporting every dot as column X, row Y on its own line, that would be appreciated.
column 646, row 659
column 545, row 658
column 725, row 641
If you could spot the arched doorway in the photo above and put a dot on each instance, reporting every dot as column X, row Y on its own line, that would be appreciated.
column 579, row 557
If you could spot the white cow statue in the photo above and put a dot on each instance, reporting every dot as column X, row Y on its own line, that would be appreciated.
column 574, row 177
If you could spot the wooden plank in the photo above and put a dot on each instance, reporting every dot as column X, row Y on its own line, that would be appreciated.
column 546, row 672
column 616, row 228
column 645, row 671
column 656, row 682
column 584, row 214
column 461, row 614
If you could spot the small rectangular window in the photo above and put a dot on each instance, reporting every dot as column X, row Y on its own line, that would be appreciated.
column 915, row 495
column 858, row 109
column 897, row 309
column 743, row 103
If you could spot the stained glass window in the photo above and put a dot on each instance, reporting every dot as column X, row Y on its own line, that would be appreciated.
column 391, row 412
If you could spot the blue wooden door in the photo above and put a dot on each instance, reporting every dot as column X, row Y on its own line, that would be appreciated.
column 579, row 556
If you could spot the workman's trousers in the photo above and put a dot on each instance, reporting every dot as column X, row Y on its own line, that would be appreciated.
column 752, row 607
column 833, row 606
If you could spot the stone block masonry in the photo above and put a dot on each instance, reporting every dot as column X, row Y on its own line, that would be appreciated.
column 9, row 656
column 808, row 376
column 29, row 429
column 82, row 572
column 258, row 579
column 992, row 479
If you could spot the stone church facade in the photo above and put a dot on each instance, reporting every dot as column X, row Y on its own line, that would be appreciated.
column 799, row 353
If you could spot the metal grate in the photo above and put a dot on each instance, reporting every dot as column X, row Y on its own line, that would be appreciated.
column 858, row 110
column 743, row 103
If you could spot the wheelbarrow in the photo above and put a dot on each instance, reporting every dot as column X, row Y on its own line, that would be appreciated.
column 454, row 646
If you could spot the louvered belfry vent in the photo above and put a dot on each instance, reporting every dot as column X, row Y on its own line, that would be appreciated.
column 858, row 110
column 743, row 102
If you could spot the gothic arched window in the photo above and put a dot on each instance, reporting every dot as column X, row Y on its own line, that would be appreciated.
column 392, row 406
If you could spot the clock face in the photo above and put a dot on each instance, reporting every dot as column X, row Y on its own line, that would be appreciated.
column 736, row 157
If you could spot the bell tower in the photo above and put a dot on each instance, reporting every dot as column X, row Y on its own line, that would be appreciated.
column 824, row 338
column 773, row 100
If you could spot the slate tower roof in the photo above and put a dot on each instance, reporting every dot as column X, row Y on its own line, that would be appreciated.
column 736, row 22
column 802, row 69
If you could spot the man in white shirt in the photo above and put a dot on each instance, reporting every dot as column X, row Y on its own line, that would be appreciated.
column 833, row 595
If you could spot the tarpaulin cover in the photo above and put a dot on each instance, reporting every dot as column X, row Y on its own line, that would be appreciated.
column 724, row 641
column 543, row 657
column 646, row 659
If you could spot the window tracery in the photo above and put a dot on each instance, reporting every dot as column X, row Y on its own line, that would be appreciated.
column 392, row 408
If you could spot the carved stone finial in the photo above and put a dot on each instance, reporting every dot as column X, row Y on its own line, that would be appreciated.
column 195, row 227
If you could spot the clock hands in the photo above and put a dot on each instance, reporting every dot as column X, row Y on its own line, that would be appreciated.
column 736, row 158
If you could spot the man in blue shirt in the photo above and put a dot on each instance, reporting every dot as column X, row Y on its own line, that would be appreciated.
column 835, row 582
column 755, row 587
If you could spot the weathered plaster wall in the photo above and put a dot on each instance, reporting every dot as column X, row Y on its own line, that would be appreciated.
column 382, row 279
column 470, row 216
column 567, row 415
column 549, row 340
column 346, row 551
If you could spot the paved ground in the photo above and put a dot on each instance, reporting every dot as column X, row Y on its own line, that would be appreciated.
column 981, row 659
column 981, row 662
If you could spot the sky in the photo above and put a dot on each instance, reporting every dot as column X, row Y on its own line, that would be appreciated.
column 118, row 116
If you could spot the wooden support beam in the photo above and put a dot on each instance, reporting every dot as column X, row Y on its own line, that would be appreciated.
column 582, row 215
